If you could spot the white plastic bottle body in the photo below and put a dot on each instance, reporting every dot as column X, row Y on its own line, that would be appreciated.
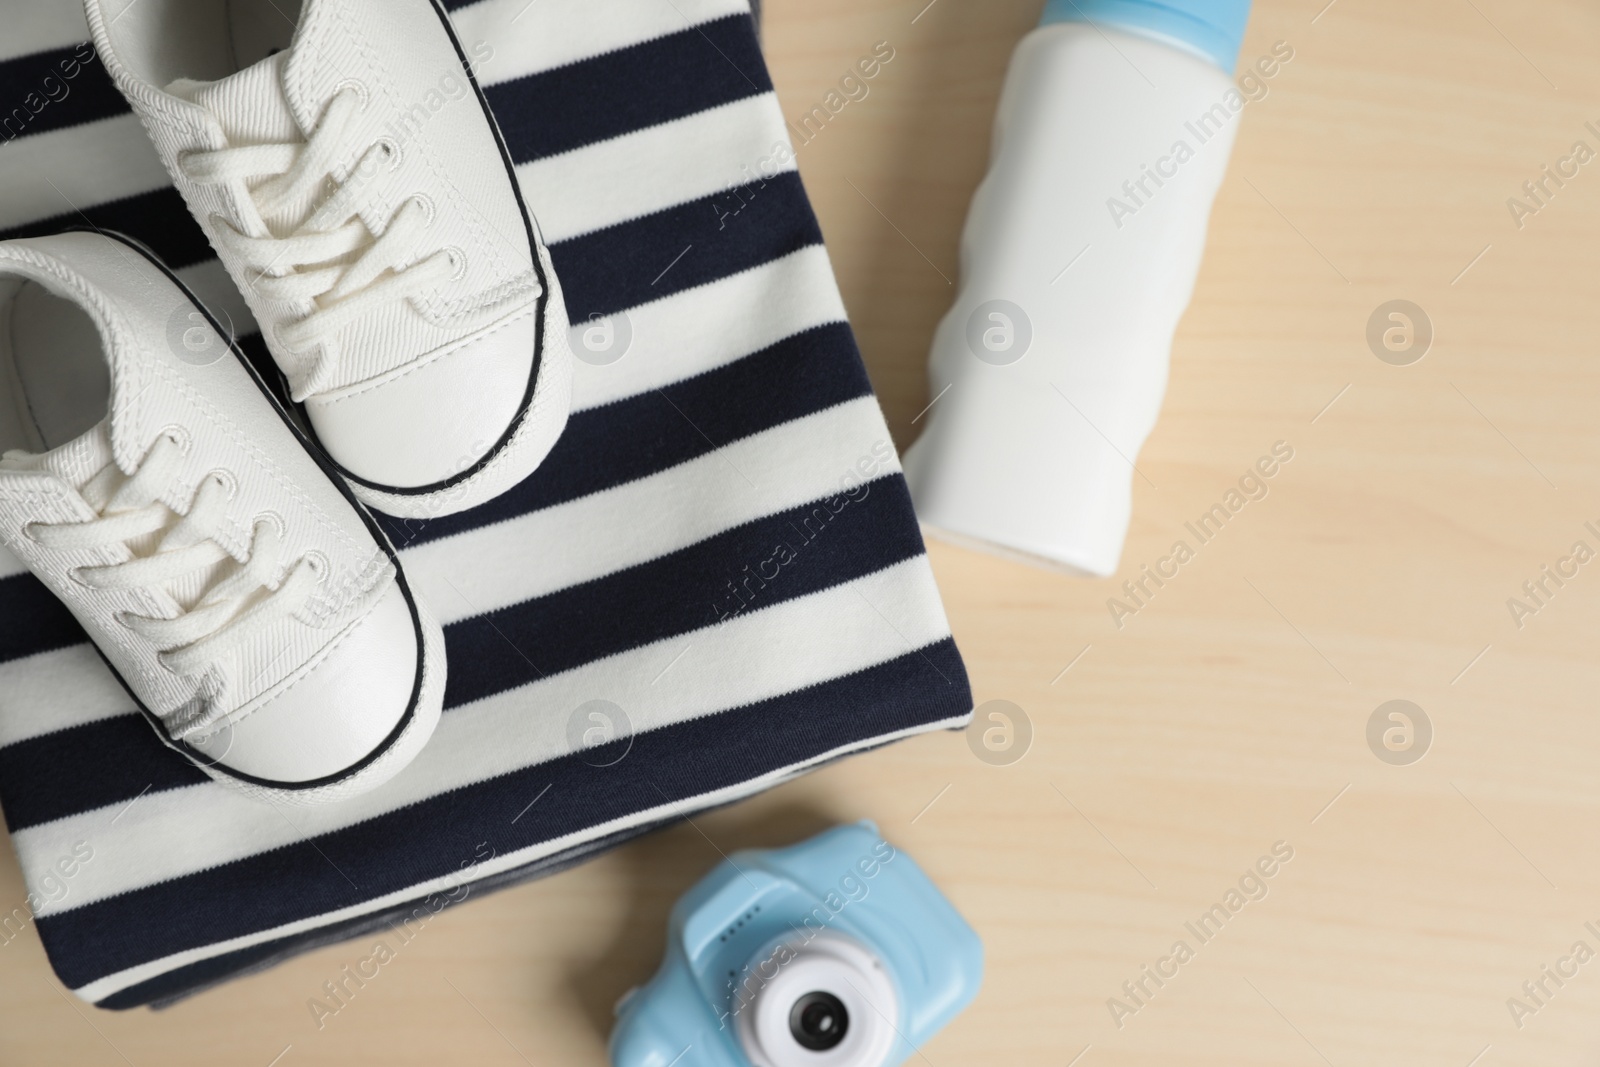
column 1078, row 259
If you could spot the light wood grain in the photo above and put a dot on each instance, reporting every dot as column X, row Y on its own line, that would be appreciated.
column 1232, row 709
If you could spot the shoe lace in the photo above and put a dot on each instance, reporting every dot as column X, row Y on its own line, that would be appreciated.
column 331, row 261
column 249, row 597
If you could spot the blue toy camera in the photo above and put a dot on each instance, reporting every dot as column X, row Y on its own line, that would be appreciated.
column 836, row 952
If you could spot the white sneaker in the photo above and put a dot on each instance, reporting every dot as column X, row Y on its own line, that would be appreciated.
column 243, row 597
column 346, row 168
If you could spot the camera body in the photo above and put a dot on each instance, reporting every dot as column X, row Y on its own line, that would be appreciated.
column 836, row 952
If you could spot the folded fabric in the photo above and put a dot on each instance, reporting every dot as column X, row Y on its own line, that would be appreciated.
column 716, row 581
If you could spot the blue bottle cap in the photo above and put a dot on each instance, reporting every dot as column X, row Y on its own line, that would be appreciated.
column 1213, row 28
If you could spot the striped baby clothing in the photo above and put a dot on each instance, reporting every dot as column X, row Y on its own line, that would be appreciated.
column 714, row 583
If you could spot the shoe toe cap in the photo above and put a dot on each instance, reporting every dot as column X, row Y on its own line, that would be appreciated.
column 434, row 419
column 337, row 718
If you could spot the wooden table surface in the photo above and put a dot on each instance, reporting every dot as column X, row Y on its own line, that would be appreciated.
column 1231, row 713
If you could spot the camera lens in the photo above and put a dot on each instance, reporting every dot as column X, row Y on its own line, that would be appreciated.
column 831, row 1003
column 818, row 1021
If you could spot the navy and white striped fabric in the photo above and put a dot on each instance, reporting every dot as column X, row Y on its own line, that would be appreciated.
column 721, row 545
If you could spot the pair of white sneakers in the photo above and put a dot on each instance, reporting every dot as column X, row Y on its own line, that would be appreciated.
column 214, row 544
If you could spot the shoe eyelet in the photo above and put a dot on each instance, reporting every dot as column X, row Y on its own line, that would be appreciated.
column 458, row 261
column 391, row 151
column 271, row 518
column 28, row 529
column 427, row 205
column 177, row 435
column 359, row 89
column 319, row 564
column 229, row 483
column 121, row 619
column 76, row 575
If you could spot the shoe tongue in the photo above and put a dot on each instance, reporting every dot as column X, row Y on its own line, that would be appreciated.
column 250, row 105
column 74, row 462
column 251, row 108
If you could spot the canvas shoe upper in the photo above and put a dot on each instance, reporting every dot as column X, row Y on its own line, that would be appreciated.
column 342, row 161
column 240, row 593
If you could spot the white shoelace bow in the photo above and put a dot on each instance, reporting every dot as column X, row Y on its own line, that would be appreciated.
column 311, row 264
column 238, row 608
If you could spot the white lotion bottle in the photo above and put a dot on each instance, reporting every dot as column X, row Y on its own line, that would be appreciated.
column 1078, row 258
